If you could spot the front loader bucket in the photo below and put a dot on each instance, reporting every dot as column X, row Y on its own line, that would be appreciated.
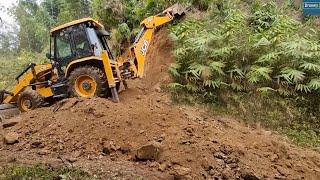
column 7, row 110
column 3, row 94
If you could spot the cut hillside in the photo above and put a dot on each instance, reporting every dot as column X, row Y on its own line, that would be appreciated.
column 101, row 137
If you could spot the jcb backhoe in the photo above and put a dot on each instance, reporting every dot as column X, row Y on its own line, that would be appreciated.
column 82, row 63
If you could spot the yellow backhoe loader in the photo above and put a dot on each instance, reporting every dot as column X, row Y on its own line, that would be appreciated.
column 82, row 64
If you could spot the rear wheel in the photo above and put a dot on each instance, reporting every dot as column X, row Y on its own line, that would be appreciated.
column 87, row 81
column 29, row 100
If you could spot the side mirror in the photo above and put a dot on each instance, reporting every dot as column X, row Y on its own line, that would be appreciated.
column 1, row 97
column 48, row 55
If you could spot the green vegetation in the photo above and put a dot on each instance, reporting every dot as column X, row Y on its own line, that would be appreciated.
column 11, row 65
column 41, row 172
column 264, row 51
column 255, row 61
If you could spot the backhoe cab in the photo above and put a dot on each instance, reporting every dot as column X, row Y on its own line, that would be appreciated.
column 82, row 63
column 83, row 60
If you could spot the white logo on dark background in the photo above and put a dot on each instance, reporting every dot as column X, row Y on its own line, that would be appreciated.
column 144, row 47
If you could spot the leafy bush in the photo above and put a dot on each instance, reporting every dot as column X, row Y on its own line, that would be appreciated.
column 260, row 51
column 13, row 65
column 263, row 51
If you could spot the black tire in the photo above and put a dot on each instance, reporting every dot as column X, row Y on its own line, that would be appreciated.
column 49, row 101
column 29, row 100
column 93, row 72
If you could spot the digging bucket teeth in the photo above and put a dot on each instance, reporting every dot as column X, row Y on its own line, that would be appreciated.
column 177, row 10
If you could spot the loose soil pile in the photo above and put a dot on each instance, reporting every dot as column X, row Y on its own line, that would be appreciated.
column 102, row 137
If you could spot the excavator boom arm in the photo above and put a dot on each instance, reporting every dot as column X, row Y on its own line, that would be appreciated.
column 139, row 49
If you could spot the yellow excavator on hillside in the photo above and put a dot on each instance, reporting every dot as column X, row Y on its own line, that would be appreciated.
column 82, row 64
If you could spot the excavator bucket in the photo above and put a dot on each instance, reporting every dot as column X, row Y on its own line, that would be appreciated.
column 3, row 94
column 7, row 110
column 176, row 10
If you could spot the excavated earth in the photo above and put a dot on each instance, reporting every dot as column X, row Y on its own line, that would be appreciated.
column 102, row 137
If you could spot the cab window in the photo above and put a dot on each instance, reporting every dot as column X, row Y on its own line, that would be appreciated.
column 81, row 42
column 63, row 48
column 95, row 41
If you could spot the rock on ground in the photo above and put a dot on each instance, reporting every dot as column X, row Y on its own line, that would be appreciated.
column 11, row 138
column 148, row 152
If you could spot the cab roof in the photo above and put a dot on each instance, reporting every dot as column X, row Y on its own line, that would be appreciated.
column 80, row 21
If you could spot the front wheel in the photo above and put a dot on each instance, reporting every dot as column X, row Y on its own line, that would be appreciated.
column 87, row 81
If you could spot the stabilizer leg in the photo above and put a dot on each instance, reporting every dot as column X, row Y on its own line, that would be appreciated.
column 125, row 84
column 115, row 95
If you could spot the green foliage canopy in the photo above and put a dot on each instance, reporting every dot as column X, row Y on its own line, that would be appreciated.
column 259, row 50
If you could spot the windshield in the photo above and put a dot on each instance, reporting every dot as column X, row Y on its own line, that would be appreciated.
column 63, row 47
column 95, row 42
column 81, row 42
column 99, row 41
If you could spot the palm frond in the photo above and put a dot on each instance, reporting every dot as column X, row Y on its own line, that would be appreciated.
column 314, row 84
column 292, row 75
column 217, row 66
column 194, row 71
column 303, row 88
column 174, row 69
column 212, row 83
column 310, row 67
column 236, row 73
column 222, row 52
column 262, row 42
column 237, row 86
column 268, row 58
column 193, row 87
column 175, row 85
column 257, row 74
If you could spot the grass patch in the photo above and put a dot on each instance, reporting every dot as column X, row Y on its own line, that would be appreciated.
column 41, row 172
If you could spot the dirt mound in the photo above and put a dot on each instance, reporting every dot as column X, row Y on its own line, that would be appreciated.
column 101, row 136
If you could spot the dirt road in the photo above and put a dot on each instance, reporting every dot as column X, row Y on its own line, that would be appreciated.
column 105, row 139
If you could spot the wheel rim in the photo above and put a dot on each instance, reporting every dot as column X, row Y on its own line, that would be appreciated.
column 85, row 86
column 26, row 104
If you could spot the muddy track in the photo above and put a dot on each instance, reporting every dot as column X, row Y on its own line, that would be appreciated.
column 102, row 137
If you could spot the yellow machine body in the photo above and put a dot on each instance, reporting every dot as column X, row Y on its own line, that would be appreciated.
column 45, row 80
column 32, row 77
